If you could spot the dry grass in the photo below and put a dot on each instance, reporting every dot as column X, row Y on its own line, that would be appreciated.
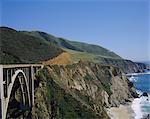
column 62, row 59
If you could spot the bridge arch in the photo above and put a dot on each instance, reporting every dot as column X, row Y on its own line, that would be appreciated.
column 23, row 83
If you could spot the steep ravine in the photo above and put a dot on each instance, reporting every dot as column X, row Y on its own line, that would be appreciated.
column 82, row 90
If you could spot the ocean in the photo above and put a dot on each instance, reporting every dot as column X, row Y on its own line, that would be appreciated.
column 141, row 106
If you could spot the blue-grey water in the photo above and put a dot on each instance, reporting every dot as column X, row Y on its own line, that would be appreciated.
column 142, row 82
column 141, row 106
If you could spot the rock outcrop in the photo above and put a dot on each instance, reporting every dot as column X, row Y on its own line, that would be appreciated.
column 82, row 90
column 127, row 66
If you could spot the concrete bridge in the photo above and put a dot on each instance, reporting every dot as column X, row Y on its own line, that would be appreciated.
column 20, row 75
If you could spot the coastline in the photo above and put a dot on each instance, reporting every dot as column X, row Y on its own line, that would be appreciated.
column 141, row 105
column 138, row 109
column 124, row 111
column 129, row 110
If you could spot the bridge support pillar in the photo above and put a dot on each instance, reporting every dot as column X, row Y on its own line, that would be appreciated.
column 1, row 93
column 32, row 81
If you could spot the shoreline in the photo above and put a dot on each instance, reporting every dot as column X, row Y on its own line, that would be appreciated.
column 124, row 111
column 137, row 107
column 129, row 110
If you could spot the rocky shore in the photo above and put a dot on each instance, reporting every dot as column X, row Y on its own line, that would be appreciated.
column 80, row 88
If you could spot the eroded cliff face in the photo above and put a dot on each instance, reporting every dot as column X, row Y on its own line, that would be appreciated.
column 127, row 66
column 81, row 90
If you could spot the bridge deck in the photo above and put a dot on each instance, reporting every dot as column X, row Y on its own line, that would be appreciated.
column 19, row 65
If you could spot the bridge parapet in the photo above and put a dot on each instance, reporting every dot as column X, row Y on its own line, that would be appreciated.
column 8, row 75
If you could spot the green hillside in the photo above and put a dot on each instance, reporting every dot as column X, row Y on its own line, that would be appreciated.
column 18, row 47
column 94, row 49
column 52, row 39
column 36, row 46
column 75, row 46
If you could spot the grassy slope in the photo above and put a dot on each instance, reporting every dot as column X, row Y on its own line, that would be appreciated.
column 18, row 47
column 88, row 52
column 77, row 47
column 52, row 39
column 94, row 49
column 32, row 47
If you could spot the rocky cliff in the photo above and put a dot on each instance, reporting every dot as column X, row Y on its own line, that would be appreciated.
column 81, row 90
column 127, row 66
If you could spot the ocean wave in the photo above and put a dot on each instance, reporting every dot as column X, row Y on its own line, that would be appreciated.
column 136, row 108
column 139, row 92
column 133, row 79
column 141, row 106
column 135, row 74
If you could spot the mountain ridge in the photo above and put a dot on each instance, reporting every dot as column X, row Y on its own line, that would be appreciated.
column 36, row 47
column 74, row 45
column 76, row 82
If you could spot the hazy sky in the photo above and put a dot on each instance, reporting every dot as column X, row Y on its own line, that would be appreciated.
column 118, row 25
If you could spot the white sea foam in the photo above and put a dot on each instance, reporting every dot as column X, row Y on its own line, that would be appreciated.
column 135, row 74
column 133, row 79
column 136, row 108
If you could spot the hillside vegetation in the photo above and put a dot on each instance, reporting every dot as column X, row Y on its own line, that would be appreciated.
column 35, row 47
column 75, row 46
column 87, row 52
column 18, row 47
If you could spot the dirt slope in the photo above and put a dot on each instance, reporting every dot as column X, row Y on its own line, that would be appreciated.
column 62, row 59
